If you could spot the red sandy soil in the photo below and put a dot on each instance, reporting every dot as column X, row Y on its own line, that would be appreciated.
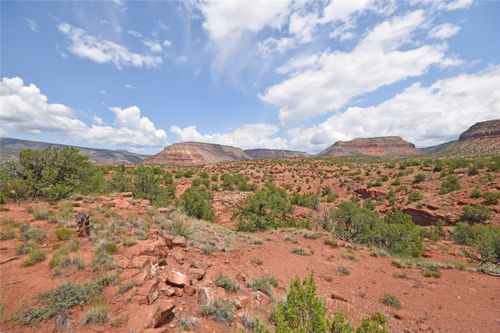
column 458, row 301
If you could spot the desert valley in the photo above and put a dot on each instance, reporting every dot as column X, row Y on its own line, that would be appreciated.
column 208, row 238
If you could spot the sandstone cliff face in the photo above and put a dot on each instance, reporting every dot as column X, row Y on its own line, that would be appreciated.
column 483, row 129
column 379, row 146
column 271, row 153
column 482, row 138
column 193, row 153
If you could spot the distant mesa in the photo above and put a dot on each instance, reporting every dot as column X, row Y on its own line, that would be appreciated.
column 274, row 153
column 10, row 149
column 482, row 138
column 195, row 153
column 378, row 146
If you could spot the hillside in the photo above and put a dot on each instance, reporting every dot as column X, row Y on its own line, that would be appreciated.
column 378, row 146
column 194, row 153
column 10, row 149
column 274, row 153
column 482, row 138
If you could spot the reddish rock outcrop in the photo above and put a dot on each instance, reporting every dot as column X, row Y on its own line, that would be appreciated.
column 379, row 146
column 194, row 153
column 424, row 216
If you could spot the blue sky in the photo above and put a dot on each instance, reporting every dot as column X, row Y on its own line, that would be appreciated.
column 284, row 74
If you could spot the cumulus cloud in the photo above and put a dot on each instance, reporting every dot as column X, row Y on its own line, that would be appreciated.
column 424, row 115
column 24, row 109
column 101, row 51
column 153, row 45
column 246, row 137
column 321, row 83
column 443, row 31
column 228, row 19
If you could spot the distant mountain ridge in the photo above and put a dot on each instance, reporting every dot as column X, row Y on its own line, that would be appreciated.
column 10, row 149
column 274, row 153
column 194, row 153
column 378, row 146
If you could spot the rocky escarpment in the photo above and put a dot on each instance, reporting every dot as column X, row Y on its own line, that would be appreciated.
column 378, row 146
column 194, row 153
column 482, row 138
column 481, row 130
column 273, row 153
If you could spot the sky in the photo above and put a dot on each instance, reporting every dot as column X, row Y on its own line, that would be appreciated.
column 297, row 75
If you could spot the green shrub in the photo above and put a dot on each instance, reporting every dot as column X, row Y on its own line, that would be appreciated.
column 419, row 177
column 221, row 310
column 34, row 234
column 391, row 300
column 52, row 173
column 475, row 193
column 63, row 234
column 96, row 315
column 475, row 213
column 450, row 184
column 180, row 226
column 41, row 213
column 352, row 221
column 485, row 239
column 196, row 202
column 36, row 256
column 7, row 234
column 264, row 284
column 225, row 282
column 147, row 185
column 266, row 209
column 415, row 196
column 309, row 200
column 491, row 198
column 304, row 311
column 120, row 181
column 64, row 297
column 302, row 251
column 343, row 270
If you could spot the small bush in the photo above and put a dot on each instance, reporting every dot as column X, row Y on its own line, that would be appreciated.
column 419, row 177
column 59, row 299
column 196, row 202
column 391, row 300
column 7, row 234
column 34, row 234
column 97, row 315
column 221, row 310
column 180, row 226
column 188, row 323
column 343, row 270
column 225, row 282
column 264, row 284
column 450, row 184
column 349, row 256
column 35, row 257
column 63, row 234
column 309, row 200
column 302, row 251
column 491, row 198
column 475, row 193
column 415, row 196
column 331, row 243
column 41, row 213
column 475, row 214
column 485, row 239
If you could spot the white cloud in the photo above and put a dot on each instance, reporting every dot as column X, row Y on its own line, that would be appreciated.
column 342, row 10
column 24, row 109
column 181, row 60
column 166, row 43
column 227, row 19
column 446, row 5
column 32, row 24
column 443, row 31
column 246, row 136
column 101, row 51
column 272, row 45
column 303, row 26
column 134, row 33
column 325, row 82
column 153, row 45
column 129, row 86
column 424, row 115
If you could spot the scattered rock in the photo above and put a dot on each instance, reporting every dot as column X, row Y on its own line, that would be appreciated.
column 190, row 290
column 338, row 297
column 197, row 273
column 179, row 241
column 177, row 279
